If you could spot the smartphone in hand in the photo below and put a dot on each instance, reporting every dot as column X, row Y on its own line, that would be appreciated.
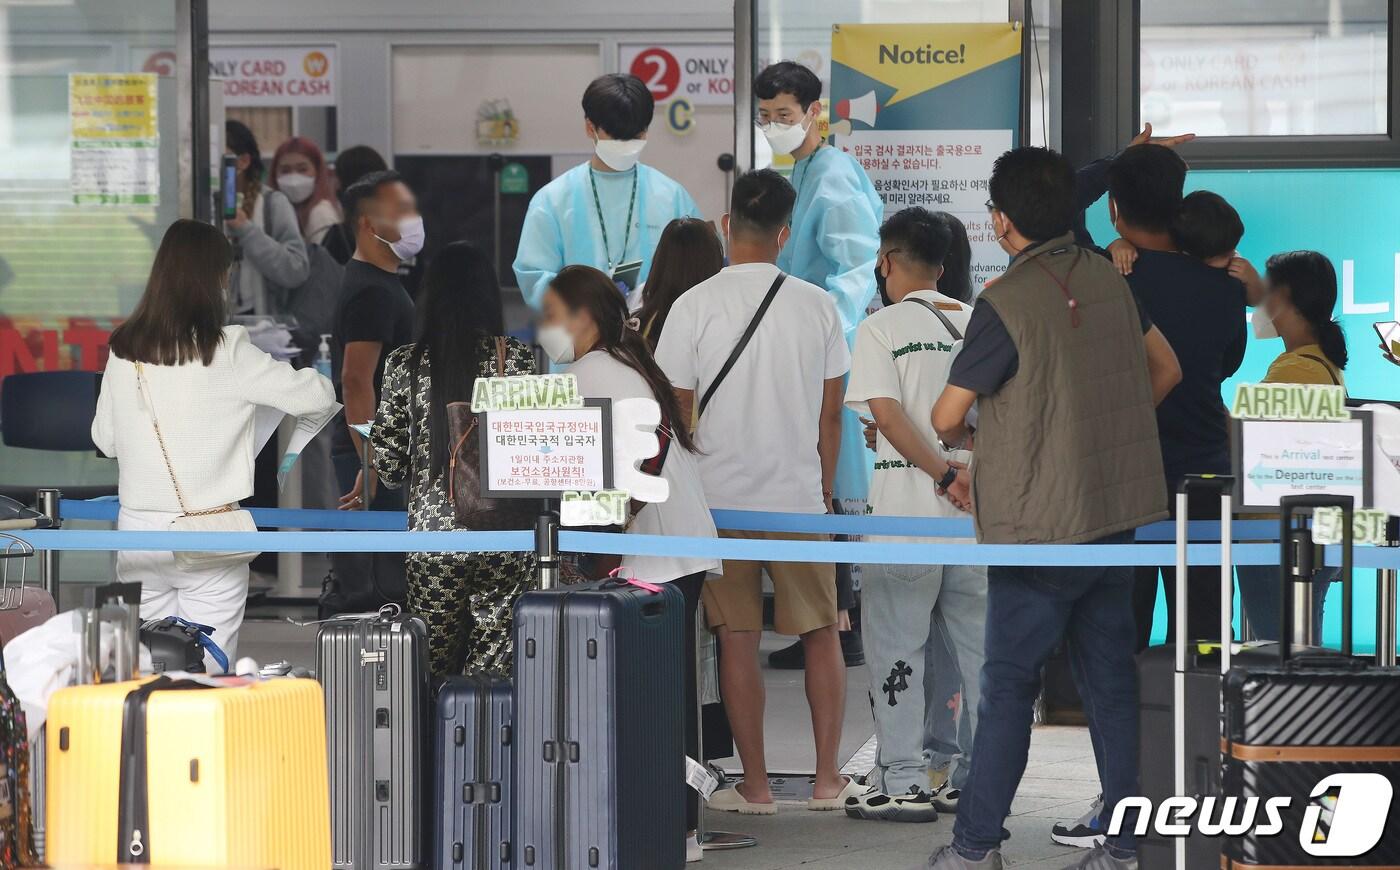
column 1389, row 332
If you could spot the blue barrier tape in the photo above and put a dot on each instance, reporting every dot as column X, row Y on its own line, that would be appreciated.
column 759, row 521
column 105, row 510
column 664, row 545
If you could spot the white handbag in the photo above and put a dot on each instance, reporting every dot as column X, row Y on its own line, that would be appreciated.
column 228, row 518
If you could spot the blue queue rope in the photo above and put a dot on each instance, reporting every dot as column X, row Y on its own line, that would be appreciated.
column 663, row 545
column 821, row 524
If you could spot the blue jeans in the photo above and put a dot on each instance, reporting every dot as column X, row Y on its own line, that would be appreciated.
column 1263, row 601
column 1029, row 611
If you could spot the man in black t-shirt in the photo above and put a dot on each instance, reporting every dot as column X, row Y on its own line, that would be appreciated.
column 1200, row 310
column 376, row 314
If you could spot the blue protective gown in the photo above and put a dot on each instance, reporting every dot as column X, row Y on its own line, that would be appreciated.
column 835, row 239
column 561, row 226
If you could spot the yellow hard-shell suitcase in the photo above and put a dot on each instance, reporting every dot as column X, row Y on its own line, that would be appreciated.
column 235, row 776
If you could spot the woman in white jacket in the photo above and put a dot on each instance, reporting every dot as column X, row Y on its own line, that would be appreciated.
column 204, row 381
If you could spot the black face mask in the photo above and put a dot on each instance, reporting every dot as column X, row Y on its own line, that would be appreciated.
column 880, row 285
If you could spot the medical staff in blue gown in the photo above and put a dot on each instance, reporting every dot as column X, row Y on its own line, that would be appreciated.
column 835, row 227
column 606, row 213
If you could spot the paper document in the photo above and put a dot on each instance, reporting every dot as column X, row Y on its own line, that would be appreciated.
column 265, row 423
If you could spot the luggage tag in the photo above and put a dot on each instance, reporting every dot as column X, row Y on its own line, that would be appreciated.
column 698, row 777
column 616, row 575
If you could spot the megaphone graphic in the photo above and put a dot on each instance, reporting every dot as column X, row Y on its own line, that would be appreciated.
column 862, row 109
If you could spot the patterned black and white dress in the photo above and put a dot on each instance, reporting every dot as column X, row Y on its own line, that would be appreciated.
column 465, row 598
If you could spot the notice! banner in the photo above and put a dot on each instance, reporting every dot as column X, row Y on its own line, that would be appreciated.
column 927, row 109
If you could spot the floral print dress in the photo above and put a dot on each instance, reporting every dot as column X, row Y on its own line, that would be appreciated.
column 466, row 599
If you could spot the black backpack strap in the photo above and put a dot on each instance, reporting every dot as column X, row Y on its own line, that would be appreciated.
column 743, row 342
column 1322, row 362
column 948, row 324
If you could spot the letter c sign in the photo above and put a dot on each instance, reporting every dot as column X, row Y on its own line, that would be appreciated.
column 680, row 117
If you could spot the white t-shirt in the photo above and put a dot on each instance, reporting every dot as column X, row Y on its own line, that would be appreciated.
column 904, row 352
column 685, row 511
column 758, row 437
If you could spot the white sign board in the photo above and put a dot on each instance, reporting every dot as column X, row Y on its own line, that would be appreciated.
column 276, row 75
column 541, row 453
column 941, row 170
column 703, row 74
column 1275, row 458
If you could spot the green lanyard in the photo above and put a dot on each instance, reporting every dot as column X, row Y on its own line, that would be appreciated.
column 603, row 225
column 806, row 168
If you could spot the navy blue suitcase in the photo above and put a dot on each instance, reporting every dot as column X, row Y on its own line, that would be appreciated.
column 472, row 777
column 600, row 733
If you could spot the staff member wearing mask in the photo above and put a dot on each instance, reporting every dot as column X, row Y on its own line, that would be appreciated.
column 376, row 313
column 835, row 237
column 607, row 213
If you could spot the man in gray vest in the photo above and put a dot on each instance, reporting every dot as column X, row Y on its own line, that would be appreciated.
column 1066, row 370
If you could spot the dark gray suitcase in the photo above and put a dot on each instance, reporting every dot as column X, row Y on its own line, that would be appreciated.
column 1192, row 767
column 472, row 795
column 374, row 669
column 600, row 760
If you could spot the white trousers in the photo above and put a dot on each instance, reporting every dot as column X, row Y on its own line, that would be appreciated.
column 215, row 598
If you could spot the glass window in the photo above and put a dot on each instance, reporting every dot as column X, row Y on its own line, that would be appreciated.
column 78, row 230
column 1281, row 68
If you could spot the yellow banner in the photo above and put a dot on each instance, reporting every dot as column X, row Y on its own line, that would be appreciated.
column 913, row 58
column 115, row 106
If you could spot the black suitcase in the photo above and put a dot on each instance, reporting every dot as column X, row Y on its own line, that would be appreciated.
column 1300, row 720
column 472, row 795
column 374, row 669
column 600, row 766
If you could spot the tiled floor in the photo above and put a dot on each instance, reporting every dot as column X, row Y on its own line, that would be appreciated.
column 1060, row 783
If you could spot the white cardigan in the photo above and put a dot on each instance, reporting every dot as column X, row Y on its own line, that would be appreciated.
column 206, row 416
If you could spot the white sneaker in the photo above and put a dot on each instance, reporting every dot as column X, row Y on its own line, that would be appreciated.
column 913, row 806
column 945, row 799
column 694, row 852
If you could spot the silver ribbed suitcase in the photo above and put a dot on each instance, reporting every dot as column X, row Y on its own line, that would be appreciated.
column 375, row 673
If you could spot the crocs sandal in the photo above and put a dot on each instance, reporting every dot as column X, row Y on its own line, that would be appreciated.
column 826, row 805
column 729, row 800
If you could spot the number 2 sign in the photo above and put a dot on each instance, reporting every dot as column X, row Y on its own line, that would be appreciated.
column 658, row 68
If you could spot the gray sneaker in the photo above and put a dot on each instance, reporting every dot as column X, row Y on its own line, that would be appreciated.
column 948, row 859
column 1101, row 859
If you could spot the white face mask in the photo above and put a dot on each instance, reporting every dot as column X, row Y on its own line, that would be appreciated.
column 1263, row 321
column 410, row 238
column 619, row 154
column 557, row 342
column 296, row 187
column 785, row 138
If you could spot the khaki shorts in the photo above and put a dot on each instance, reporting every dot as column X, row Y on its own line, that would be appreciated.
column 804, row 593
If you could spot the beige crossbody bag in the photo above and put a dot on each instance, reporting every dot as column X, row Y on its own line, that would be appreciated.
column 229, row 518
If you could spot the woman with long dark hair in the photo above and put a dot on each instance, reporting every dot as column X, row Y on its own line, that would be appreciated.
column 689, row 252
column 176, row 411
column 585, row 325
column 1300, row 296
column 956, row 280
column 465, row 598
column 265, row 230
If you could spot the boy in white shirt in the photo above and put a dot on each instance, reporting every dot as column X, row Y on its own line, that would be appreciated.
column 768, row 434
column 900, row 365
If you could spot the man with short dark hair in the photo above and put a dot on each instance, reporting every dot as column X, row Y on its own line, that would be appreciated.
column 375, row 316
column 768, row 432
column 912, row 613
column 835, row 226
column 1200, row 310
column 1065, row 371
column 609, row 212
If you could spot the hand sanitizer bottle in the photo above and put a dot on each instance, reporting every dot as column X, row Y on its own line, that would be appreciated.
column 323, row 355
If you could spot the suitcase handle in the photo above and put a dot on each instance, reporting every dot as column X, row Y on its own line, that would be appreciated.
column 1224, row 484
column 1290, row 507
